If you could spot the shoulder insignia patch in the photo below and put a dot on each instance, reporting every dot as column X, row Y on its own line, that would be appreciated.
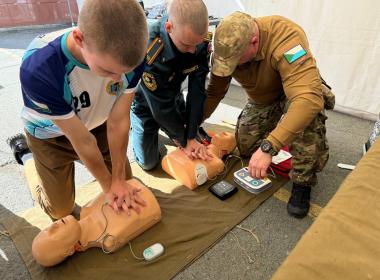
column 208, row 38
column 149, row 81
column 189, row 70
column 294, row 53
column 154, row 50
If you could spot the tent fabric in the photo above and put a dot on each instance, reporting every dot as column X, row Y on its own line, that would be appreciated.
column 344, row 37
column 192, row 222
column 344, row 241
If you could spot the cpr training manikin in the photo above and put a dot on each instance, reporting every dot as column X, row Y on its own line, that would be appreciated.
column 193, row 173
column 99, row 226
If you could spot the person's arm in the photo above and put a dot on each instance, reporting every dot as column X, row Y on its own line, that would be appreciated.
column 303, row 88
column 216, row 90
column 161, row 101
column 195, row 101
column 121, row 194
column 160, row 96
column 118, row 125
column 196, row 96
column 85, row 145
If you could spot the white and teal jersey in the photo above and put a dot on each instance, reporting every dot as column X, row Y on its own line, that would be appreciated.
column 56, row 86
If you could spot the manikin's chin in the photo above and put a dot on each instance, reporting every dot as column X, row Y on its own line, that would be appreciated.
column 70, row 252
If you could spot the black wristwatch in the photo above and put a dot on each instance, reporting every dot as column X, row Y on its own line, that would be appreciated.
column 267, row 147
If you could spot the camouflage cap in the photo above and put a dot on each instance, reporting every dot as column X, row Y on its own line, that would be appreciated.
column 232, row 37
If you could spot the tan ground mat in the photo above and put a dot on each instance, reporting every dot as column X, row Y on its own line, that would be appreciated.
column 192, row 221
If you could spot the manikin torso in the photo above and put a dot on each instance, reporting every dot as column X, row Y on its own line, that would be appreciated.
column 118, row 232
column 99, row 226
column 193, row 173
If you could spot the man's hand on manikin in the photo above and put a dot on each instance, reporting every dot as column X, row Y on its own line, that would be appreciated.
column 196, row 150
column 124, row 196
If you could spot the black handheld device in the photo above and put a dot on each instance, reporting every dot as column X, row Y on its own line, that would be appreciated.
column 223, row 189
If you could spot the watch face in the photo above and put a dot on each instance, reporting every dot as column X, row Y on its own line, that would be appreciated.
column 265, row 146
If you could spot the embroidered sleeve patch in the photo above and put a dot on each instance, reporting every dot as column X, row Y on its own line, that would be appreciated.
column 294, row 54
column 208, row 38
column 192, row 69
column 149, row 81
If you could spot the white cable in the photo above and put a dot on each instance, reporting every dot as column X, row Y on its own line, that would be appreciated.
column 133, row 254
column 5, row 233
column 249, row 230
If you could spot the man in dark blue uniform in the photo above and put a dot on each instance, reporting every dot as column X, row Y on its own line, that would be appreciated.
column 178, row 48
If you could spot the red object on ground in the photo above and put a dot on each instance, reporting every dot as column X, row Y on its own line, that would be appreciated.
column 283, row 168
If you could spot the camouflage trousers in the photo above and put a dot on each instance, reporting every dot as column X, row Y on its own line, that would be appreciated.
column 310, row 149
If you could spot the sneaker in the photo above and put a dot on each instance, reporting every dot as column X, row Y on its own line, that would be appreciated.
column 76, row 211
column 299, row 203
column 19, row 146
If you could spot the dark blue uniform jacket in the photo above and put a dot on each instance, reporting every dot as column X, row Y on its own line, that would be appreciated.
column 159, row 94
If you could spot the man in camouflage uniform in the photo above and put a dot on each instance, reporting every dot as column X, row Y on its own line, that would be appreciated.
column 270, row 57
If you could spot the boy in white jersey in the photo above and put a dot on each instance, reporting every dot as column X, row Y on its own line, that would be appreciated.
column 77, row 90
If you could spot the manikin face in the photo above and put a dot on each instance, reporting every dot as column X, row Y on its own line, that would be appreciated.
column 56, row 242
column 225, row 142
column 184, row 38
column 213, row 150
column 102, row 64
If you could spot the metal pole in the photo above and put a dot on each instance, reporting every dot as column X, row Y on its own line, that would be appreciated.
column 71, row 14
column 240, row 4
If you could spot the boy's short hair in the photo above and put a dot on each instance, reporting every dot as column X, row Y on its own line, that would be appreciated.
column 115, row 27
column 192, row 13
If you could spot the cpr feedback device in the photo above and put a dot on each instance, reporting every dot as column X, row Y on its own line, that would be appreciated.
column 252, row 185
column 153, row 252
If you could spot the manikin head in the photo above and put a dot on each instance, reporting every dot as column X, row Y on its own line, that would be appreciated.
column 225, row 142
column 187, row 24
column 111, row 37
column 236, row 42
column 56, row 242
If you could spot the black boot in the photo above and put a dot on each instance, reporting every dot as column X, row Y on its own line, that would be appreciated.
column 299, row 202
column 19, row 146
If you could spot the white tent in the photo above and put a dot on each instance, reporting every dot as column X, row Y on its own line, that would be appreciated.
column 344, row 36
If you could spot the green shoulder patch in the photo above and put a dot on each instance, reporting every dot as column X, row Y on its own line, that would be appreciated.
column 294, row 53
column 154, row 50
